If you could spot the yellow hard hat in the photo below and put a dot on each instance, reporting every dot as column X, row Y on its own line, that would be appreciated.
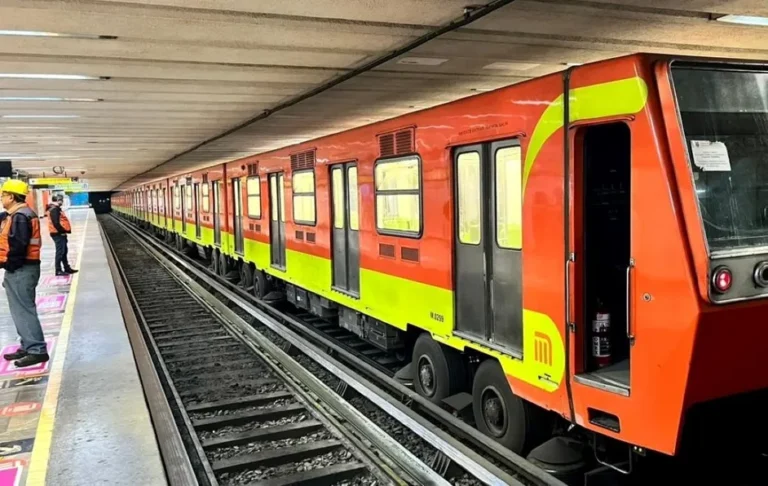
column 15, row 186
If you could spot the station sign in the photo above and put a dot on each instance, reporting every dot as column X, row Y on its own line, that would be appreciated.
column 49, row 181
column 71, row 187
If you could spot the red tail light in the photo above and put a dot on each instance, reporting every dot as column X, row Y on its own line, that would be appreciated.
column 722, row 279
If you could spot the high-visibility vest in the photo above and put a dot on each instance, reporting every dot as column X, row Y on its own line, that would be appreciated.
column 33, row 249
column 63, row 221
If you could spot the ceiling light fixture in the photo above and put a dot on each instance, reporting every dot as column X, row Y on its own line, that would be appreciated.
column 45, row 98
column 30, row 128
column 39, row 116
column 744, row 20
column 37, row 33
column 69, row 77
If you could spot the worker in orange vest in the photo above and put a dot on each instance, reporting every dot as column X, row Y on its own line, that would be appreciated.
column 20, row 257
column 59, row 227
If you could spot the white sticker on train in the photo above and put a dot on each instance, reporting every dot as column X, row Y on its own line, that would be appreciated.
column 710, row 156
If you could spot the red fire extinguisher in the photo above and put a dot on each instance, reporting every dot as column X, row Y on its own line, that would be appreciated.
column 601, row 336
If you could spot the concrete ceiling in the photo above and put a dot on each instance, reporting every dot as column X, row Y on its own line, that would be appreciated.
column 173, row 76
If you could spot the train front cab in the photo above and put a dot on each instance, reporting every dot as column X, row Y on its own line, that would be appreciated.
column 668, row 234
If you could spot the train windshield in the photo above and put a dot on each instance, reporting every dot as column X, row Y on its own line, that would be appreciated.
column 724, row 114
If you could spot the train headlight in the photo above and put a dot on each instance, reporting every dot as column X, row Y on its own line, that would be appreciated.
column 761, row 274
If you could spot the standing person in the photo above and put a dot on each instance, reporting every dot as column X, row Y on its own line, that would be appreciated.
column 20, row 257
column 59, row 227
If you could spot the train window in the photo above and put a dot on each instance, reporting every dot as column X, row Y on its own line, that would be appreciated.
column 304, row 197
column 206, row 203
column 338, row 198
column 469, row 203
column 176, row 198
column 509, row 198
column 354, row 203
column 253, row 190
column 188, row 202
column 398, row 196
column 281, row 187
column 273, row 191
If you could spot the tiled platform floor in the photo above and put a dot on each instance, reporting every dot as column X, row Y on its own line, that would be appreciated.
column 81, row 418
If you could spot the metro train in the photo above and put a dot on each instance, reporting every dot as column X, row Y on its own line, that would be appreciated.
column 597, row 260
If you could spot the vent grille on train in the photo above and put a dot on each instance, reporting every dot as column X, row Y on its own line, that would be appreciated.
column 253, row 169
column 396, row 143
column 303, row 160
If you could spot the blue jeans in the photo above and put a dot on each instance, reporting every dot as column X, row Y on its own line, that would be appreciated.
column 20, row 288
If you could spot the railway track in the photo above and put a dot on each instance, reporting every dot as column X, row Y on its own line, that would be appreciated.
column 250, row 419
column 442, row 442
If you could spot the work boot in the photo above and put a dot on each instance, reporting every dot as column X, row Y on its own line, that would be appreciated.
column 20, row 353
column 31, row 359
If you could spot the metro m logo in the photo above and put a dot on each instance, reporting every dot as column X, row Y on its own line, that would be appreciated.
column 543, row 348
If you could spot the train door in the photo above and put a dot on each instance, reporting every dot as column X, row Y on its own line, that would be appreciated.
column 165, row 206
column 216, row 216
column 277, row 219
column 488, row 265
column 237, row 204
column 183, row 210
column 602, row 255
column 196, row 209
column 346, row 225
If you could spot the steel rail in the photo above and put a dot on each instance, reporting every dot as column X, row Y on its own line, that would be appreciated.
column 459, row 453
column 397, row 454
column 170, row 389
column 457, row 427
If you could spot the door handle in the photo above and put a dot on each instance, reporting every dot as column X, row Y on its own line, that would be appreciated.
column 568, row 265
column 630, row 334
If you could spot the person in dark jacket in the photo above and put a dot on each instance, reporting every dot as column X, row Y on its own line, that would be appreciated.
column 20, row 257
column 59, row 227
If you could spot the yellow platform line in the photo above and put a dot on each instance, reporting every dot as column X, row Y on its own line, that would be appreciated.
column 41, row 451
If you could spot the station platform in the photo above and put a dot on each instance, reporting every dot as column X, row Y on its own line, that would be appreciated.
column 82, row 417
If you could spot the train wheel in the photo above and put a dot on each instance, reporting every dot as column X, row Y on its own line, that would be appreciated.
column 246, row 275
column 215, row 261
column 440, row 371
column 513, row 422
column 223, row 265
column 261, row 285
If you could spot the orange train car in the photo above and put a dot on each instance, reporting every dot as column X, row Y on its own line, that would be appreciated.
column 600, row 257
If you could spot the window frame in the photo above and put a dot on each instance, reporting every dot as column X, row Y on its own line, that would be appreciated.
column 457, row 204
column 495, row 188
column 205, row 197
column 248, row 197
column 303, row 194
column 176, row 198
column 420, row 192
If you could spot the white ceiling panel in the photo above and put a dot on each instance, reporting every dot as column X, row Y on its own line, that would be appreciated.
column 180, row 84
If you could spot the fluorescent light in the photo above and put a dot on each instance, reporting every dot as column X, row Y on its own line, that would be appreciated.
column 47, row 76
column 422, row 61
column 45, row 98
column 37, row 33
column 30, row 128
column 29, row 33
column 39, row 116
column 744, row 19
